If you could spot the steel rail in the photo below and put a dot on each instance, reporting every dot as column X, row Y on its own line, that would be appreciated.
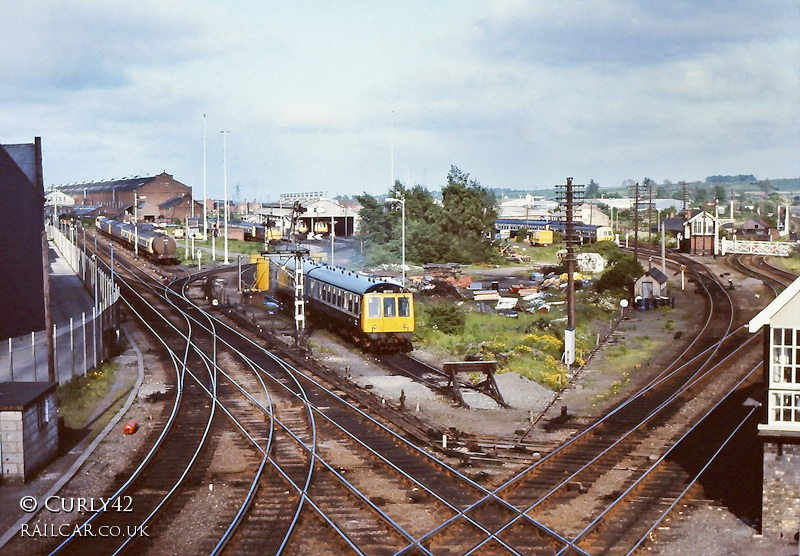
column 179, row 368
column 301, row 396
column 211, row 392
column 393, row 434
column 634, row 429
column 621, row 498
column 312, row 452
column 657, row 381
column 164, row 296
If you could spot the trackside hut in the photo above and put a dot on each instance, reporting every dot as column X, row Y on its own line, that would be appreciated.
column 28, row 427
column 780, row 434
column 652, row 284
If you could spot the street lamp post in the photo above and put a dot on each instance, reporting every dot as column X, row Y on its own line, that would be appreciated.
column 392, row 148
column 225, row 186
column 403, row 231
column 205, row 190
column 136, row 224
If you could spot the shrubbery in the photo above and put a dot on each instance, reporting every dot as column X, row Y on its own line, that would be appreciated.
column 447, row 318
column 620, row 276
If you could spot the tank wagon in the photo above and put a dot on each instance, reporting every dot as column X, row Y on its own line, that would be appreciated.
column 152, row 243
column 375, row 314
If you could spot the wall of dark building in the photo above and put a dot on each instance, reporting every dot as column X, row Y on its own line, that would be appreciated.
column 21, row 227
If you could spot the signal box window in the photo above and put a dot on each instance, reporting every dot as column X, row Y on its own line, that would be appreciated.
column 784, row 363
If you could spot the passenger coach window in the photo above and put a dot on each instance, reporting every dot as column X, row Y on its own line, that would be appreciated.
column 388, row 307
column 403, row 307
column 374, row 307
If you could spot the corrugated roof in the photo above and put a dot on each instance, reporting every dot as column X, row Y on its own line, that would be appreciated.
column 78, row 210
column 125, row 184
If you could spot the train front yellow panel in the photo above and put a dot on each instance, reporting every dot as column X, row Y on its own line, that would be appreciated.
column 387, row 312
column 605, row 233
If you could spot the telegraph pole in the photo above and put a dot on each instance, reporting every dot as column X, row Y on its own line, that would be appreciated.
column 635, row 222
column 649, row 184
column 568, row 198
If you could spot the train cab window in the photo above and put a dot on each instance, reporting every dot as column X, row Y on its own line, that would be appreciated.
column 389, row 307
column 374, row 307
column 403, row 307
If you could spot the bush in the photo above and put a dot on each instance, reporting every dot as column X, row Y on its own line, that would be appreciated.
column 620, row 276
column 447, row 318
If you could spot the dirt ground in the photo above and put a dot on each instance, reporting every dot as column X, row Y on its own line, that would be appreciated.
column 648, row 335
column 643, row 343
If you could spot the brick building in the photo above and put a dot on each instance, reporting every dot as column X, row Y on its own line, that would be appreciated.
column 700, row 234
column 160, row 198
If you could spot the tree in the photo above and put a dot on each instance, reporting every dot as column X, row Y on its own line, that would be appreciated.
column 460, row 229
column 620, row 276
column 592, row 190
column 375, row 224
column 469, row 215
column 720, row 193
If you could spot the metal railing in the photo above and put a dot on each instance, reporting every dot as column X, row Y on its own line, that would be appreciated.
column 80, row 343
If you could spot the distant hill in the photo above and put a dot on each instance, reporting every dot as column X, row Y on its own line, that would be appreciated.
column 738, row 183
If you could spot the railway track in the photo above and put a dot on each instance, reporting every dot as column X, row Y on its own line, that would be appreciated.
column 565, row 475
column 325, row 469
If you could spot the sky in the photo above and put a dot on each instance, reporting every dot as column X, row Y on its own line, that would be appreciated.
column 342, row 97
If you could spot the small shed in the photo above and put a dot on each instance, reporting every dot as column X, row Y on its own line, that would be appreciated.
column 28, row 428
column 652, row 284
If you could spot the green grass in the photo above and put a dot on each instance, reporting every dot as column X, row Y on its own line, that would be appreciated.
column 79, row 397
column 235, row 247
column 538, row 255
column 530, row 345
column 792, row 264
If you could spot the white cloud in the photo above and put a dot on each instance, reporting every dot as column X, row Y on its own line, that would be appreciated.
column 519, row 93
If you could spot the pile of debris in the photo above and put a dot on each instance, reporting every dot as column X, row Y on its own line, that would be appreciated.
column 512, row 256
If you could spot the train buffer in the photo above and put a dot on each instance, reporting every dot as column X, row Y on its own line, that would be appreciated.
column 487, row 386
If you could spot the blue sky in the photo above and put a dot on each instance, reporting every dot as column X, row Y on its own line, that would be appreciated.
column 517, row 93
